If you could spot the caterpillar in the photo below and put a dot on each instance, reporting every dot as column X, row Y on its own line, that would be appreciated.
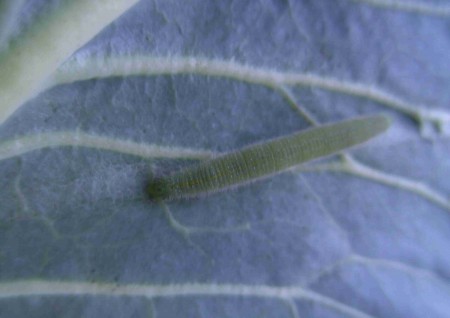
column 264, row 159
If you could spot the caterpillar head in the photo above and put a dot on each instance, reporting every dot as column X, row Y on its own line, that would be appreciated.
column 158, row 189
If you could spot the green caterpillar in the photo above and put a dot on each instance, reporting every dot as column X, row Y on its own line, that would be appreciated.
column 267, row 158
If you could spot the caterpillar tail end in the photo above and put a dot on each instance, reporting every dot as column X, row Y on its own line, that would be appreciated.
column 384, row 122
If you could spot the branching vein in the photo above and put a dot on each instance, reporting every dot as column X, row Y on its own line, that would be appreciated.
column 24, row 144
column 54, row 288
column 147, row 66
column 352, row 166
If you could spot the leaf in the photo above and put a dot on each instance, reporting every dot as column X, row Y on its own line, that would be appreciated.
column 362, row 234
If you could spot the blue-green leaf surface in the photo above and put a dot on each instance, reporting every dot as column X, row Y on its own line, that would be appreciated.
column 169, row 83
